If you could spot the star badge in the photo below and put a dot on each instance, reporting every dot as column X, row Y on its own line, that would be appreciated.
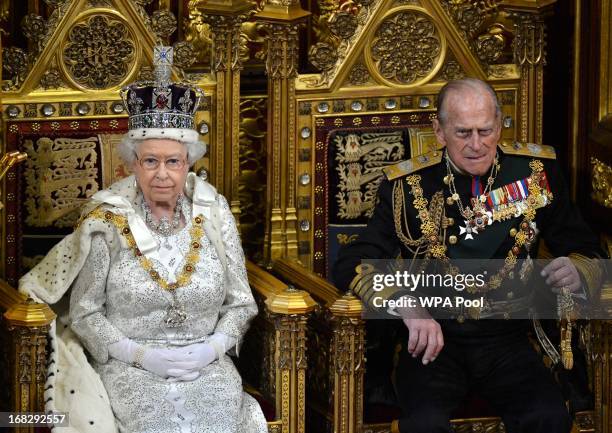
column 468, row 230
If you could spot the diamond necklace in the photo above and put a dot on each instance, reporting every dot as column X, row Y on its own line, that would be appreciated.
column 164, row 227
column 478, row 217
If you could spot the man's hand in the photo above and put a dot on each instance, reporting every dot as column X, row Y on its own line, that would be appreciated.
column 425, row 334
column 560, row 273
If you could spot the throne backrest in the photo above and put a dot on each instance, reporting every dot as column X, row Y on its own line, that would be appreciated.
column 350, row 152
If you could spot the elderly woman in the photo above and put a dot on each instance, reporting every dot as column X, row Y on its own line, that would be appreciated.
column 160, row 296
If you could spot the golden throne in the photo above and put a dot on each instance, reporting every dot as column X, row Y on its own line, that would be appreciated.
column 378, row 68
column 62, row 110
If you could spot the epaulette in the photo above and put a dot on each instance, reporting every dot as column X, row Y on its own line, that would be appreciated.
column 528, row 149
column 413, row 164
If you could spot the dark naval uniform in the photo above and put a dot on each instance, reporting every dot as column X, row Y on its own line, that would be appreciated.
column 416, row 217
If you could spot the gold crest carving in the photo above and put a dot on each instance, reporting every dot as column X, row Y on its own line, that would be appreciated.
column 100, row 52
column 406, row 48
column 60, row 175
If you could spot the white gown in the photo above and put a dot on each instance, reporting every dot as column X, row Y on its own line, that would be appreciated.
column 114, row 297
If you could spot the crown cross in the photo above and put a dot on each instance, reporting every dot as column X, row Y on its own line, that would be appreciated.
column 162, row 61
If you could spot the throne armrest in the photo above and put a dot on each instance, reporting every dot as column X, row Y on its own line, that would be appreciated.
column 282, row 363
column 346, row 363
column 24, row 332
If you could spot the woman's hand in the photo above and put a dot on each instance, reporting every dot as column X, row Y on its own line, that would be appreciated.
column 168, row 363
column 201, row 354
column 162, row 362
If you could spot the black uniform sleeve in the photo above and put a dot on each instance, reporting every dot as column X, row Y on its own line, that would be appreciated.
column 561, row 224
column 567, row 234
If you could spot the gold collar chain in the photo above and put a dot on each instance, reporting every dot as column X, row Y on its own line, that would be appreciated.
column 191, row 259
column 438, row 250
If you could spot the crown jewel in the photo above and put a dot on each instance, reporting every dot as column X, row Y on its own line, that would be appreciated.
column 161, row 104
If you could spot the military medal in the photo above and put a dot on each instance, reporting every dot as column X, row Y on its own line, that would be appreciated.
column 513, row 199
column 468, row 230
column 477, row 217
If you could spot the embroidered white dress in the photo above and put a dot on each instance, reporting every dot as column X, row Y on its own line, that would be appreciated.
column 114, row 297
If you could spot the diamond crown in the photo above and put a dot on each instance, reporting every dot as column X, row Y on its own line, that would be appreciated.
column 161, row 103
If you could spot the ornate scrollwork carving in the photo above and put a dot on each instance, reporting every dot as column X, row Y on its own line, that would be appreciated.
column 184, row 54
column 99, row 53
column 347, row 18
column 466, row 15
column 358, row 75
column 451, row 70
column 530, row 42
column 349, row 347
column 481, row 5
column 163, row 23
column 225, row 27
column 490, row 46
column 51, row 79
column 56, row 3
column 343, row 24
column 601, row 180
column 197, row 32
column 283, row 52
column 406, row 47
column 292, row 336
column 253, row 134
column 34, row 27
column 99, row 3
column 146, row 73
column 25, row 359
column 15, row 62
column 493, row 425
column 323, row 56
column 68, row 167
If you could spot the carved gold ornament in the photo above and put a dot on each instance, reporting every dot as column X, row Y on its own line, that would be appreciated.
column 60, row 176
column 343, row 24
column 163, row 23
column 15, row 62
column 322, row 56
column 51, row 79
column 34, row 27
column 451, row 71
column 490, row 45
column 146, row 74
column 601, row 180
column 184, row 54
column 99, row 53
column 407, row 48
column 359, row 75
column 55, row 3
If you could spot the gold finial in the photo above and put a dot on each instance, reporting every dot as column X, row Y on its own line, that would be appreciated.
column 291, row 301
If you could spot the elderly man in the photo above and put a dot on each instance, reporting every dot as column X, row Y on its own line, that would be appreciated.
column 476, row 199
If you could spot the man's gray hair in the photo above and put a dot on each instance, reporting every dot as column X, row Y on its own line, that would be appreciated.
column 461, row 85
column 128, row 147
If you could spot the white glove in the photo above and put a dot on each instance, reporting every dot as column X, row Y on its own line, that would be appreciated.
column 199, row 354
column 202, row 354
column 162, row 362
